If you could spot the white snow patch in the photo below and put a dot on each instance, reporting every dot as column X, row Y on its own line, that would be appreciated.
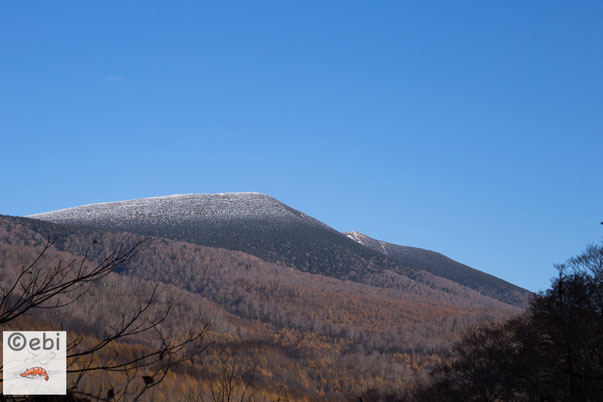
column 172, row 209
column 357, row 237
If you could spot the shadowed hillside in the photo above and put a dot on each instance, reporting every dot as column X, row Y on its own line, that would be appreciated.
column 442, row 266
column 262, row 226
column 251, row 222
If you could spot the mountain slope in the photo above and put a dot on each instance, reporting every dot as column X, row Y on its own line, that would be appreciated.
column 266, row 228
column 251, row 222
column 442, row 266
column 321, row 337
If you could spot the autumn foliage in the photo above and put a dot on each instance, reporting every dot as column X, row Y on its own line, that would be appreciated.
column 293, row 335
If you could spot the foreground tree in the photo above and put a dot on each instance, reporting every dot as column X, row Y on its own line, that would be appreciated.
column 553, row 352
column 42, row 287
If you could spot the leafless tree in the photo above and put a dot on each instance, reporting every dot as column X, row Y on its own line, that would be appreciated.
column 232, row 383
column 40, row 286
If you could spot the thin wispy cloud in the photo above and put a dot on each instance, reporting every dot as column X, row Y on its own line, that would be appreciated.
column 115, row 78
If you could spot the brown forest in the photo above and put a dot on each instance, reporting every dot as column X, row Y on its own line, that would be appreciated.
column 274, row 332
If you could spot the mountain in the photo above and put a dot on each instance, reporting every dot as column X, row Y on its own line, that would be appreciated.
column 442, row 266
column 323, row 315
column 266, row 228
column 310, row 336
column 251, row 222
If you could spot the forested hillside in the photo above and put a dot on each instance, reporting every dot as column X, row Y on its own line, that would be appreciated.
column 440, row 265
column 262, row 226
column 303, row 335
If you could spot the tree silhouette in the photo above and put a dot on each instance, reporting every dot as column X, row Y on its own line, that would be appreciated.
column 39, row 286
column 553, row 352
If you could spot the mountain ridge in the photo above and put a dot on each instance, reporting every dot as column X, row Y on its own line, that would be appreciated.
column 261, row 225
column 440, row 265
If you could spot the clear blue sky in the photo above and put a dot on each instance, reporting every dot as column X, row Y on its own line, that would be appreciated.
column 470, row 128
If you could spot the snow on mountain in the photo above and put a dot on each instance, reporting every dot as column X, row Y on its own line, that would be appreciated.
column 356, row 236
column 263, row 226
column 251, row 222
column 442, row 266
column 207, row 208
column 363, row 239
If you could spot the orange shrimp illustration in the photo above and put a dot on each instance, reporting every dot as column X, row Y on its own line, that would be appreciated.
column 35, row 372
